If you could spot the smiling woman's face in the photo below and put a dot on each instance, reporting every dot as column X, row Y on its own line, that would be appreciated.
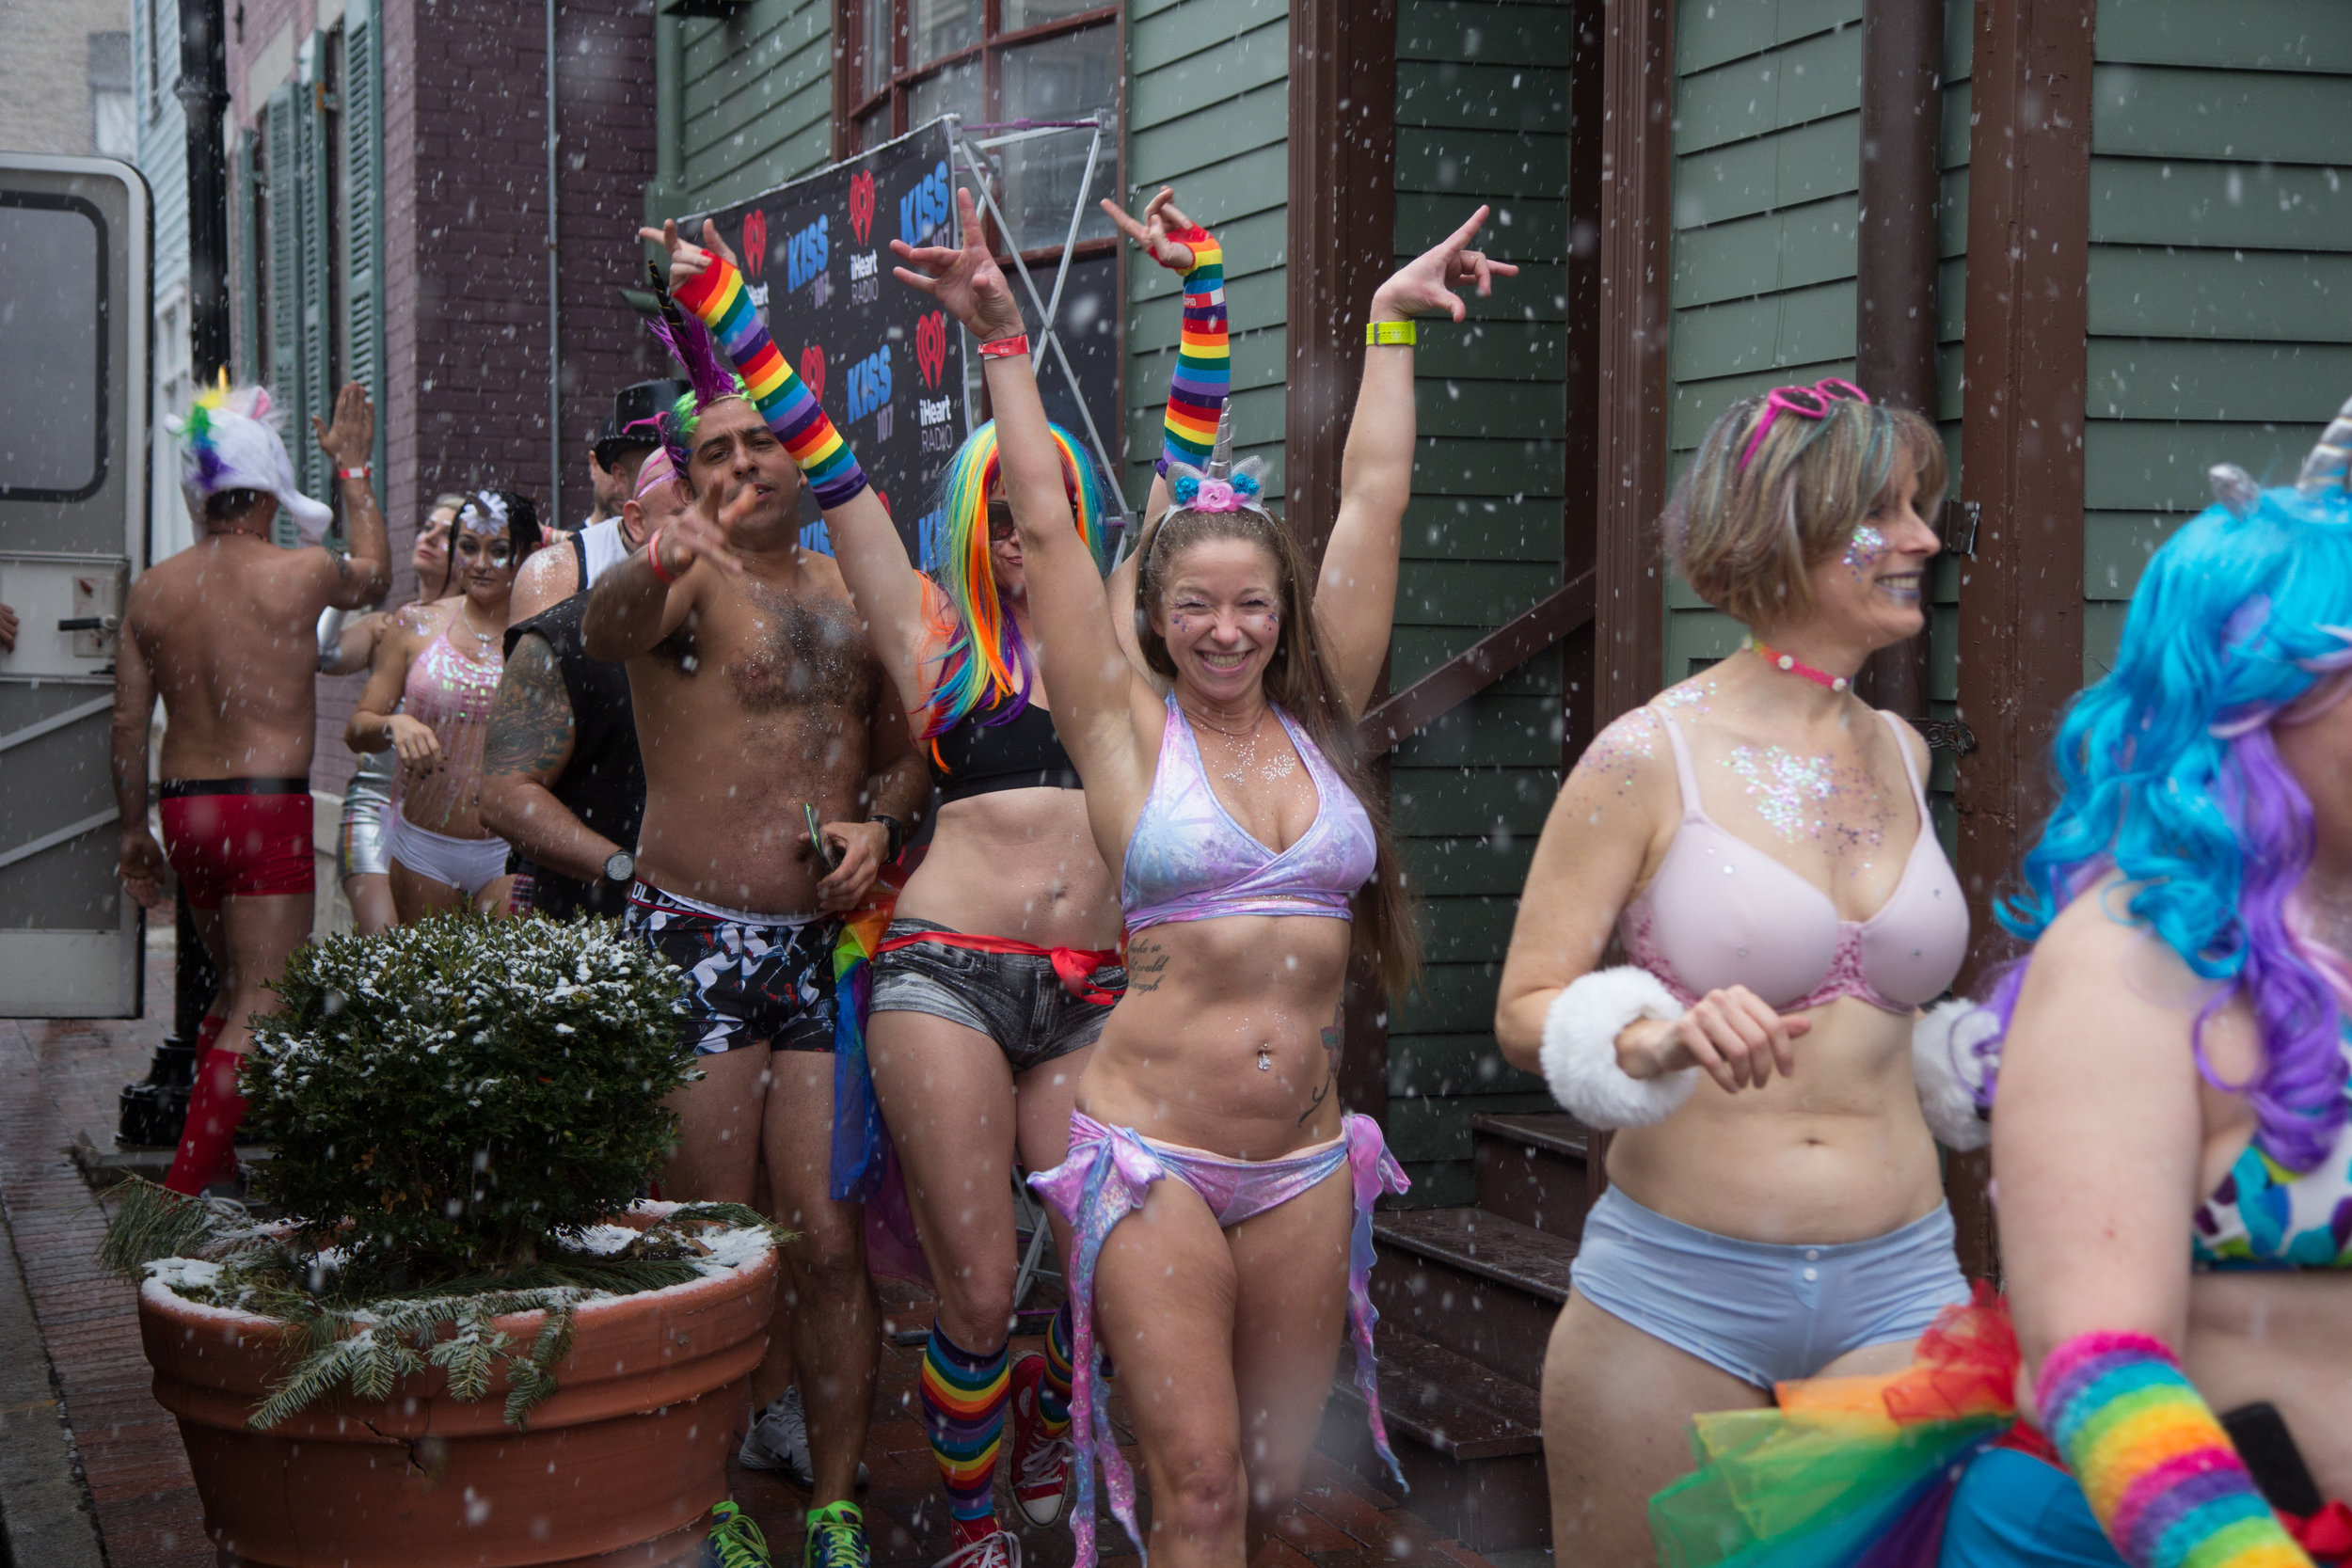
column 1877, row 584
column 1221, row 616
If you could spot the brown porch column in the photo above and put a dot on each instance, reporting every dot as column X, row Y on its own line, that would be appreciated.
column 2021, row 597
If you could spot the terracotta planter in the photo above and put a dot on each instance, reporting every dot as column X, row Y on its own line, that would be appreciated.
column 620, row 1466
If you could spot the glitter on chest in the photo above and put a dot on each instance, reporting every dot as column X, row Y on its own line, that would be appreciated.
column 1793, row 793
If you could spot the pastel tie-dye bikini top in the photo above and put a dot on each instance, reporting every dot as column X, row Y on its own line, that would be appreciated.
column 2266, row 1215
column 1188, row 860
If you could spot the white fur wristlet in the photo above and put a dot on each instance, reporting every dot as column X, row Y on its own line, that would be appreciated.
column 1949, row 1071
column 1579, row 1057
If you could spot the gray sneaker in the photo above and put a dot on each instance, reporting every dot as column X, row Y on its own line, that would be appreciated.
column 778, row 1441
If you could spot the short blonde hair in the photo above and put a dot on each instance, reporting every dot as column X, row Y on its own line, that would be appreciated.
column 1745, row 540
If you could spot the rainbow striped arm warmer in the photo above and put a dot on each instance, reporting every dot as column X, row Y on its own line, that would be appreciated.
column 1205, row 364
column 2159, row 1472
column 718, row 297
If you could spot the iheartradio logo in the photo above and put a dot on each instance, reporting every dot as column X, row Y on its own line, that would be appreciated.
column 813, row 371
column 755, row 242
column 862, row 204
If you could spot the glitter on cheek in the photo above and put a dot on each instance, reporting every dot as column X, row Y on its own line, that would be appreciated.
column 1864, row 549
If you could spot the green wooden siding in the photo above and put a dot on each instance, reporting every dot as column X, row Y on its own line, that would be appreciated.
column 1481, row 115
column 1208, row 112
column 1766, row 177
column 2221, row 282
column 758, row 99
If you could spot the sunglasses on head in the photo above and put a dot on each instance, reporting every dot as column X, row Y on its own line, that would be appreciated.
column 1807, row 403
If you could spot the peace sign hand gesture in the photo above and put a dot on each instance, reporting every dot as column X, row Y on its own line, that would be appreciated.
column 964, row 279
column 688, row 260
column 1161, row 220
column 704, row 531
column 1427, row 282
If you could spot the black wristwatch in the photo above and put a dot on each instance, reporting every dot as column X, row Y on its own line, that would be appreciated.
column 895, row 828
column 619, row 867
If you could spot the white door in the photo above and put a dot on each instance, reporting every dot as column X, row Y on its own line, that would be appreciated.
column 74, row 406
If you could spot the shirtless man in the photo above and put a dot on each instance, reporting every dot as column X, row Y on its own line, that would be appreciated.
column 225, row 633
column 760, row 710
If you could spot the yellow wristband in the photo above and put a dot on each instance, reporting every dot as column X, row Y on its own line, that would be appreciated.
column 1392, row 334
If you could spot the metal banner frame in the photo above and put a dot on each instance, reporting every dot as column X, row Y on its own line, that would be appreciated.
column 969, row 155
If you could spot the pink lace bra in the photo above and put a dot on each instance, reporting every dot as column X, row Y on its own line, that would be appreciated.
column 1721, row 912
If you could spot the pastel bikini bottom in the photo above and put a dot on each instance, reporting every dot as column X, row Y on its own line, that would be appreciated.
column 1108, row 1175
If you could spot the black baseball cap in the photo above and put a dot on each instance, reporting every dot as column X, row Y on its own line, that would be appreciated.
column 632, row 406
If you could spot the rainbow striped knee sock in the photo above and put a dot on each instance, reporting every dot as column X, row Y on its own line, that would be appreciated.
column 964, row 1410
column 1053, row 1390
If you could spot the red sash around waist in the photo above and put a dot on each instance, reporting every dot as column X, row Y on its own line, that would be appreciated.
column 1074, row 966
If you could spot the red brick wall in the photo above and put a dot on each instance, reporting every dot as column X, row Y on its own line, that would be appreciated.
column 466, row 265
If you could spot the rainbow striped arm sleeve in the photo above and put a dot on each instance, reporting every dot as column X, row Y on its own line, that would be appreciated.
column 718, row 297
column 1205, row 364
column 2159, row 1472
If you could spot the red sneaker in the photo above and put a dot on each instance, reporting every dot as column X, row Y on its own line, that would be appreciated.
column 1040, row 1465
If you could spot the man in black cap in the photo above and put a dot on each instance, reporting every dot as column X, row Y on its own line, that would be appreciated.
column 623, row 442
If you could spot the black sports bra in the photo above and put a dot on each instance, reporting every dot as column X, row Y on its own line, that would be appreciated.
column 1021, row 753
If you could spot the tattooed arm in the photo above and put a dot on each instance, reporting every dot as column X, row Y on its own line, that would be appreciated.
column 528, row 745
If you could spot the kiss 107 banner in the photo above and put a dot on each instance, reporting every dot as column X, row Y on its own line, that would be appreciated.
column 886, row 363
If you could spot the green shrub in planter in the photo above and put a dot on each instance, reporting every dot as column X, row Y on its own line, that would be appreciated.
column 453, row 1103
column 459, row 1090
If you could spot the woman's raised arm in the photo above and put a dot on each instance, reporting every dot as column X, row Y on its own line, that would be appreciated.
column 1095, row 689
column 1355, row 598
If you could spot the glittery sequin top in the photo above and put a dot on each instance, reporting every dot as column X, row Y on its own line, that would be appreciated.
column 2268, row 1215
column 450, row 695
column 1722, row 912
column 1188, row 860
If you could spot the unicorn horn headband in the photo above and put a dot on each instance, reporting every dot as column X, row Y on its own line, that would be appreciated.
column 2328, row 465
column 1224, row 485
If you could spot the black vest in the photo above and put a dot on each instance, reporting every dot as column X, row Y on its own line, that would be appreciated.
column 604, row 784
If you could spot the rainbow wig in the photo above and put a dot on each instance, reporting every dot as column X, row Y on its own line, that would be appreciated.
column 984, row 668
column 2166, row 773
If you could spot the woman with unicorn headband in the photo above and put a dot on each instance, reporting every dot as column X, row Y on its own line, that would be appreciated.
column 1219, row 1201
column 2172, row 1126
column 1001, row 964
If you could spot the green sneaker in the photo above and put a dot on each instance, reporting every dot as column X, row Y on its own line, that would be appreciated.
column 734, row 1541
column 836, row 1538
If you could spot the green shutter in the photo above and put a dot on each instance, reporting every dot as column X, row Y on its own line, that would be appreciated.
column 318, row 336
column 244, row 344
column 280, row 181
column 363, row 205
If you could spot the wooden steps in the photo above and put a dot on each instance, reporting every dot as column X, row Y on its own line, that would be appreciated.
column 1466, row 1298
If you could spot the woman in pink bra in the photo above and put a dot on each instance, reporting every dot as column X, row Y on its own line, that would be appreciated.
column 428, row 701
column 1758, row 840
column 1220, row 1201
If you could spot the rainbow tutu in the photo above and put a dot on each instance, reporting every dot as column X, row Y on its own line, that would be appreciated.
column 1846, row 1472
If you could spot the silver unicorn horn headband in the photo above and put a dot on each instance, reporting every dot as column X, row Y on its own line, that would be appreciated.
column 1224, row 485
column 2326, row 467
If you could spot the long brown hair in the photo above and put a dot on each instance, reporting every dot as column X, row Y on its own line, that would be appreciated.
column 1301, row 683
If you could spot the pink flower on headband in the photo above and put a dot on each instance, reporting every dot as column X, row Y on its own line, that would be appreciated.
column 1215, row 495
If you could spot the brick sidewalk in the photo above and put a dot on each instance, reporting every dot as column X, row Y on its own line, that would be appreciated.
column 58, row 1078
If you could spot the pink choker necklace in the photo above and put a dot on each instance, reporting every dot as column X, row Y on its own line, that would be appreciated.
column 1796, row 666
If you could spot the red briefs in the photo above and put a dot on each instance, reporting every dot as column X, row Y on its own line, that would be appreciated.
column 239, row 838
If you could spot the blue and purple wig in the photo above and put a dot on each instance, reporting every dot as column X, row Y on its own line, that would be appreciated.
column 984, row 668
column 2168, row 775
